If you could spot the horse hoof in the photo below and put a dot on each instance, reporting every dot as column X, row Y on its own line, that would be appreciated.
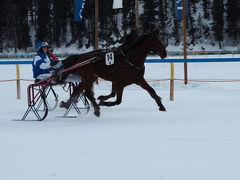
column 97, row 113
column 64, row 105
column 101, row 103
column 162, row 108
column 100, row 98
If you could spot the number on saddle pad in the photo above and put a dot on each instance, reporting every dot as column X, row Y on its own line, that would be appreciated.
column 109, row 58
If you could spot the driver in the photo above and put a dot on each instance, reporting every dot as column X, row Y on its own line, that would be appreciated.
column 42, row 63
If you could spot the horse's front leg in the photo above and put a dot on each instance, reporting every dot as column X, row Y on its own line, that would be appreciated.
column 112, row 94
column 143, row 83
column 119, row 91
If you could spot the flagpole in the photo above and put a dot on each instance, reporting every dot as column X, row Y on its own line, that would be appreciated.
column 184, row 26
column 96, row 25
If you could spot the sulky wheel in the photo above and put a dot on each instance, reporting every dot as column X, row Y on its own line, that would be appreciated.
column 51, row 100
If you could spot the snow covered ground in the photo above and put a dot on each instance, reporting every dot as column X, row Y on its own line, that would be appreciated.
column 198, row 138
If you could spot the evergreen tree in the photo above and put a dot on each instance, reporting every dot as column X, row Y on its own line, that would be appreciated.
column 148, row 18
column 52, row 21
column 87, row 35
column 2, row 23
column 128, row 22
column 116, row 28
column 59, row 22
column 191, row 9
column 74, row 26
column 175, row 32
column 43, row 21
column 238, row 32
column 22, row 27
column 10, row 32
column 193, row 3
column 206, row 9
column 163, row 20
column 218, row 23
column 199, row 28
column 106, row 23
column 232, row 10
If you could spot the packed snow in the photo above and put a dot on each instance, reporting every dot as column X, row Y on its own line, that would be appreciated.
column 197, row 138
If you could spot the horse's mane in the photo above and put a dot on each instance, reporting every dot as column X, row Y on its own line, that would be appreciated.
column 129, row 39
column 135, row 43
column 140, row 39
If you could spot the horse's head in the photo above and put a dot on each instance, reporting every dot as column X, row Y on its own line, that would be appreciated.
column 156, row 44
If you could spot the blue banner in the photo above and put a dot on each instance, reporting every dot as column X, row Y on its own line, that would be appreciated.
column 78, row 13
column 178, row 8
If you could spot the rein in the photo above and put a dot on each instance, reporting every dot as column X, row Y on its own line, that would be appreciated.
column 130, row 47
column 127, row 61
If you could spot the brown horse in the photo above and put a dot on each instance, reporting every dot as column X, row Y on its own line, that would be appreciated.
column 123, row 66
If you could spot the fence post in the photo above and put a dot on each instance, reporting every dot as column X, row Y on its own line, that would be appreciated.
column 171, row 81
column 18, row 81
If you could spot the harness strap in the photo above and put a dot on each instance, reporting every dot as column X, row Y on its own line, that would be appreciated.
column 127, row 61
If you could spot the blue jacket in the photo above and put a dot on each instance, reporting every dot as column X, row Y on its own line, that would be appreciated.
column 41, row 64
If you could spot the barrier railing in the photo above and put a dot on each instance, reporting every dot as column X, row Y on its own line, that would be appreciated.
column 171, row 61
column 197, row 60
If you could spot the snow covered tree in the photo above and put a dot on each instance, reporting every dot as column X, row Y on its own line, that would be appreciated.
column 175, row 32
column 2, row 24
column 43, row 21
column 232, row 10
column 199, row 28
column 52, row 21
column 106, row 23
column 22, row 24
column 148, row 18
column 10, row 22
column 194, row 3
column 59, row 22
column 206, row 9
column 128, row 22
column 164, row 20
column 218, row 23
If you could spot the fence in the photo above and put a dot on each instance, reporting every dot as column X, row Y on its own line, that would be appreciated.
column 171, row 61
column 197, row 60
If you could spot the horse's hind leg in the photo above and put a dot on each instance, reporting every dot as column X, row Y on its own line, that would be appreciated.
column 77, row 90
column 112, row 94
column 90, row 96
column 88, row 79
column 119, row 91
column 142, row 82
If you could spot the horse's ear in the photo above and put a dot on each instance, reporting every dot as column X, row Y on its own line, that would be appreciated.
column 153, row 34
column 156, row 32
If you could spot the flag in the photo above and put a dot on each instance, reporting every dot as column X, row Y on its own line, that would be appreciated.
column 78, row 13
column 117, row 4
column 178, row 8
